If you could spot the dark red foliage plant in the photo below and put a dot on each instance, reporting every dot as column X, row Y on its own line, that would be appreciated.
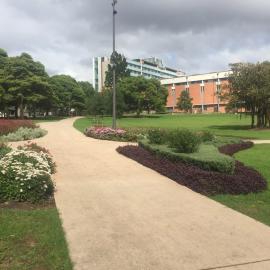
column 8, row 125
column 244, row 180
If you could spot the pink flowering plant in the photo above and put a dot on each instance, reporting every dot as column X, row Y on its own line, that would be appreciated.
column 25, row 175
column 106, row 133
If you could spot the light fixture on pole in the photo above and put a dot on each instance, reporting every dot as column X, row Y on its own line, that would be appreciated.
column 114, row 66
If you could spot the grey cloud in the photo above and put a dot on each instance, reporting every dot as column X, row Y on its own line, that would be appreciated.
column 195, row 36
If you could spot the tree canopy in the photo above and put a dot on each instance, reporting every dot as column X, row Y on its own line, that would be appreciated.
column 184, row 102
column 141, row 94
column 249, row 88
column 120, row 63
column 25, row 85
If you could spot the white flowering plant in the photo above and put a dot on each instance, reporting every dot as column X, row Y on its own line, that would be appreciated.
column 106, row 133
column 25, row 175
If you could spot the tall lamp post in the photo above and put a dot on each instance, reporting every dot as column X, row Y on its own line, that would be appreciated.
column 174, row 97
column 114, row 66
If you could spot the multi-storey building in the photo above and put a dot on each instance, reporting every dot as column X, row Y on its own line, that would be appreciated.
column 204, row 89
column 148, row 68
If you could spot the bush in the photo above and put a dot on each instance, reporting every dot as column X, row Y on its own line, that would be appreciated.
column 4, row 149
column 207, row 157
column 36, row 148
column 184, row 141
column 244, row 180
column 23, row 134
column 8, row 126
column 157, row 136
column 25, row 175
column 206, row 136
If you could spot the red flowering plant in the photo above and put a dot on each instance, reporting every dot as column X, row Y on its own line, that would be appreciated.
column 8, row 126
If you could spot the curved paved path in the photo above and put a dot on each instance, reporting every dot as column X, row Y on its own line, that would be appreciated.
column 119, row 215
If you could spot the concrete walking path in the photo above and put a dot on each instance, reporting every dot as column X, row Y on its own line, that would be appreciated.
column 260, row 141
column 119, row 215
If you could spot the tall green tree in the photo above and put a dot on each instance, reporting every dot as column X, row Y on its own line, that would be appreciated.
column 249, row 87
column 184, row 102
column 141, row 94
column 69, row 94
column 120, row 63
column 24, row 81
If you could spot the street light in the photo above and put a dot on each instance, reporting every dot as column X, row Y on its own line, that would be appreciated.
column 174, row 97
column 113, row 65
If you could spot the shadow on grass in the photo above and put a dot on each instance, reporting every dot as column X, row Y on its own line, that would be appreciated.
column 231, row 127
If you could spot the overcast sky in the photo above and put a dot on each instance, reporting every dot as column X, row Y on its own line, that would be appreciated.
column 194, row 35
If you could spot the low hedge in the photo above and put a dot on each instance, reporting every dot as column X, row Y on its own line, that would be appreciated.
column 207, row 158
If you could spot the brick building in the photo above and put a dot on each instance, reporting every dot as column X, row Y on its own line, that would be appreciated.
column 205, row 90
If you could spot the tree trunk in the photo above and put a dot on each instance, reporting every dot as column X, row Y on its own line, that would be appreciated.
column 252, row 119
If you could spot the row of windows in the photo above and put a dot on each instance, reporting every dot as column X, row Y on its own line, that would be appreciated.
column 151, row 70
column 218, row 89
column 199, row 82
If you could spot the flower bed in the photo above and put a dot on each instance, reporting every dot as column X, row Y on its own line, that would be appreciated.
column 231, row 149
column 25, row 175
column 244, row 180
column 24, row 134
column 106, row 133
column 8, row 126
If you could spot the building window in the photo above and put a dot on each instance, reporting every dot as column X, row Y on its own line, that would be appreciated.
column 202, row 89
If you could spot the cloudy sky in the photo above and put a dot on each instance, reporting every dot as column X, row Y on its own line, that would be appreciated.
column 191, row 35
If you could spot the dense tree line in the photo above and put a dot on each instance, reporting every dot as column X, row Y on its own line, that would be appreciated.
column 27, row 89
column 249, row 88
column 25, row 86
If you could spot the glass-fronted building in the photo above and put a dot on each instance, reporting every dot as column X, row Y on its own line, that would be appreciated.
column 148, row 68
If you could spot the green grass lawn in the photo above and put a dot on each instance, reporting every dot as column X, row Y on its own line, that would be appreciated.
column 220, row 124
column 32, row 239
column 253, row 205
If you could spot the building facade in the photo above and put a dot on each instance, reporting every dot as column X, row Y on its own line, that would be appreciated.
column 148, row 68
column 204, row 89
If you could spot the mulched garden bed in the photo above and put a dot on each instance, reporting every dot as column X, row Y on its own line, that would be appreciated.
column 244, row 180
column 27, row 205
column 231, row 149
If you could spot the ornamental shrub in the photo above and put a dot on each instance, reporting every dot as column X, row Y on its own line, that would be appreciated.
column 184, row 141
column 23, row 134
column 206, row 136
column 25, row 175
column 36, row 148
column 157, row 136
column 4, row 149
column 207, row 157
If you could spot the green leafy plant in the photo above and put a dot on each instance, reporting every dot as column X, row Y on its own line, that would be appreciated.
column 206, row 136
column 4, row 149
column 157, row 136
column 184, row 141
column 23, row 134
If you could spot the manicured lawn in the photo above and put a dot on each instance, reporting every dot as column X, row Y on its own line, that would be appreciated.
column 220, row 124
column 253, row 205
column 32, row 239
